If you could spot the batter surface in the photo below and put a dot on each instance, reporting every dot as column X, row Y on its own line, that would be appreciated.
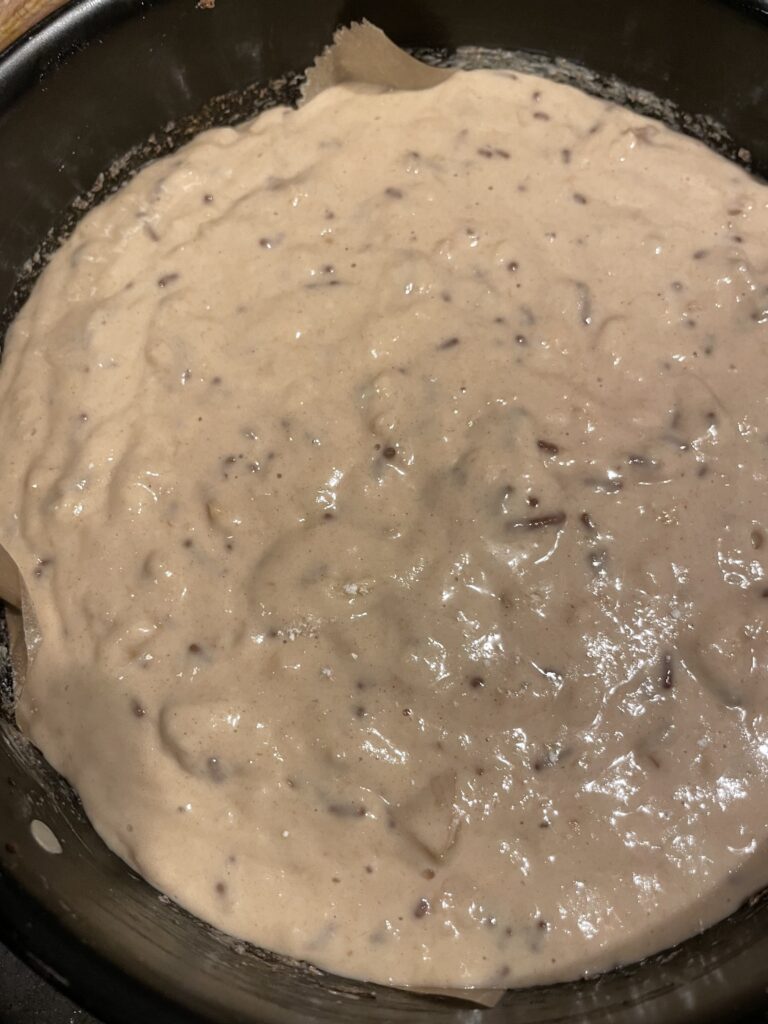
column 389, row 482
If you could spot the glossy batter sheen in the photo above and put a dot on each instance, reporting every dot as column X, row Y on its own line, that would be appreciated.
column 389, row 481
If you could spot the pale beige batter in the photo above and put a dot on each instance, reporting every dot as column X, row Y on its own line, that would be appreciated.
column 389, row 480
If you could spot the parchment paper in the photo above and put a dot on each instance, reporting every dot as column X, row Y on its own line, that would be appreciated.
column 10, row 584
column 23, row 630
column 360, row 53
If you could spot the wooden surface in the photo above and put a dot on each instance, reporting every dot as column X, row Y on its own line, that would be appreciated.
column 16, row 16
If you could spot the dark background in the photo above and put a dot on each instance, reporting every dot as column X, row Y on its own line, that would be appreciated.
column 26, row 999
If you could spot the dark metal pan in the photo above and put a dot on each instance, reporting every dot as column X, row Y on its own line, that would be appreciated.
column 91, row 94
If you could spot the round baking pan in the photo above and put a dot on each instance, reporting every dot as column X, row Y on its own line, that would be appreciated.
column 93, row 92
